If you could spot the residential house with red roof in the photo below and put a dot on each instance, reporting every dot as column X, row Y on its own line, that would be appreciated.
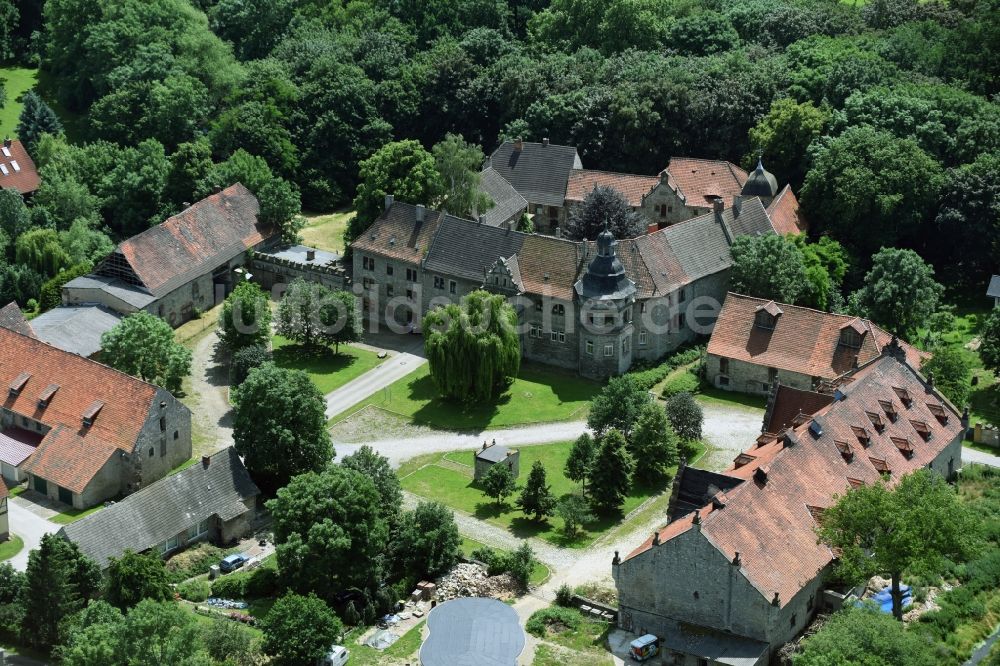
column 738, row 571
column 80, row 432
column 17, row 169
column 183, row 265
column 593, row 307
column 757, row 342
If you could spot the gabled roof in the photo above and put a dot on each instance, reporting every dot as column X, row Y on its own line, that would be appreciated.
column 787, row 403
column 785, row 214
column 633, row 187
column 993, row 291
column 507, row 203
column 700, row 181
column 803, row 340
column 75, row 329
column 538, row 171
column 494, row 453
column 127, row 400
column 195, row 241
column 769, row 519
column 70, row 460
column 165, row 508
column 466, row 249
column 17, row 169
column 399, row 234
column 13, row 319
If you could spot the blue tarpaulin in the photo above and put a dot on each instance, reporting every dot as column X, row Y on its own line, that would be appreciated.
column 883, row 598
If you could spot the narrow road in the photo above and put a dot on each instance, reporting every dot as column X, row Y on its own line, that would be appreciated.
column 27, row 523
column 980, row 457
column 371, row 382
column 209, row 396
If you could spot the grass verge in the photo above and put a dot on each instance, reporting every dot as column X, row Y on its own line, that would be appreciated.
column 72, row 515
column 327, row 370
column 17, row 81
column 326, row 231
column 10, row 547
column 362, row 655
column 539, row 394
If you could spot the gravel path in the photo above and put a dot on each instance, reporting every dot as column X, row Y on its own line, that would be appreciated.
column 209, row 396
column 979, row 457
column 728, row 430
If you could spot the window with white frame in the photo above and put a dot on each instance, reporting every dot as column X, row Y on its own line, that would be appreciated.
column 557, row 336
column 642, row 337
column 609, row 350
column 590, row 347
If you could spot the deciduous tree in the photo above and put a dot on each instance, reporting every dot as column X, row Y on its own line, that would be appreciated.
column 459, row 164
column 246, row 318
column 472, row 347
column 143, row 345
column 865, row 636
column 427, row 543
column 768, row 267
column 989, row 347
column 611, row 475
column 536, row 497
column 300, row 630
column 951, row 371
column 899, row 292
column 783, row 135
column 604, row 206
column 279, row 425
column 685, row 415
column 310, row 313
column 910, row 527
column 376, row 467
column 617, row 406
column 134, row 577
column 498, row 482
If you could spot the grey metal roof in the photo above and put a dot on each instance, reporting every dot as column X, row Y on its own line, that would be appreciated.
column 761, row 183
column 993, row 290
column 296, row 254
column 539, row 171
column 466, row 249
column 715, row 646
column 748, row 217
column 507, row 203
column 135, row 296
column 493, row 454
column 165, row 508
column 472, row 632
column 76, row 329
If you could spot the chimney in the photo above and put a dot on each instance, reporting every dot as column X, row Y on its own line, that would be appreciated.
column 481, row 219
column 557, row 232
column 205, row 460
column 6, row 142
column 518, row 145
column 217, row 189
column 616, row 559
column 310, row 255
column 420, row 212
column 186, row 204
column 718, row 205
column 736, row 560
column 652, row 228
column 545, row 141
column 656, row 538
column 388, row 202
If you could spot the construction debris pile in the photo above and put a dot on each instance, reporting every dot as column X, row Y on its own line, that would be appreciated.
column 471, row 580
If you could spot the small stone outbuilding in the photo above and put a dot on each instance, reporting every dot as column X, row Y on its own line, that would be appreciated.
column 492, row 454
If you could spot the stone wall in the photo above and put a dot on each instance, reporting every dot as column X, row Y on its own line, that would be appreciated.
column 4, row 520
column 746, row 377
column 268, row 272
column 677, row 210
column 163, row 443
column 78, row 296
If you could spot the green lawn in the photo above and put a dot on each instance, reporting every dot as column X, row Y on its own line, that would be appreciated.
column 539, row 574
column 539, row 394
column 449, row 480
column 362, row 655
column 71, row 515
column 711, row 395
column 10, row 547
column 327, row 370
column 17, row 81
column 326, row 232
column 583, row 645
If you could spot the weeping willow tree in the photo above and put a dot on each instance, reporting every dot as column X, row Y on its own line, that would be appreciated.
column 472, row 347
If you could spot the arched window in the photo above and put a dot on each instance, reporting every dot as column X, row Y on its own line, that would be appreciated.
column 558, row 309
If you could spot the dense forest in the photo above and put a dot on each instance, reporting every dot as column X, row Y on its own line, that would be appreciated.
column 882, row 115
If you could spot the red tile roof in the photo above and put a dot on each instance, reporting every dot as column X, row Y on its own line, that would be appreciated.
column 785, row 215
column 70, row 447
column 788, row 403
column 196, row 240
column 804, row 340
column 17, row 169
column 633, row 187
column 700, row 181
column 771, row 522
column 11, row 317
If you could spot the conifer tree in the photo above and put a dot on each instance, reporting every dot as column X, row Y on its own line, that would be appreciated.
column 37, row 118
column 536, row 497
column 611, row 475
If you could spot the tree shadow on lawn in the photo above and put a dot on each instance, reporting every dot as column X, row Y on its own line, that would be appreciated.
column 317, row 359
column 444, row 413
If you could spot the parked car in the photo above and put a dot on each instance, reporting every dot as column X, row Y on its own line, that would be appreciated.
column 337, row 656
column 233, row 562
column 644, row 647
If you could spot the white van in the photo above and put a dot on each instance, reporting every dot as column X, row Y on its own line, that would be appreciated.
column 337, row 656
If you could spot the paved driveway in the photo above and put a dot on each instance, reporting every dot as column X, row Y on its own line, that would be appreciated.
column 27, row 520
column 980, row 457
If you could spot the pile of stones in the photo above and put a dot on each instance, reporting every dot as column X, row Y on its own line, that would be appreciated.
column 471, row 580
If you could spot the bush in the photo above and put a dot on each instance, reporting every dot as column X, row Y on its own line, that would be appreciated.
column 554, row 617
column 262, row 582
column 232, row 586
column 193, row 562
column 519, row 564
column 51, row 292
column 649, row 376
column 246, row 359
column 564, row 596
column 684, row 382
column 194, row 590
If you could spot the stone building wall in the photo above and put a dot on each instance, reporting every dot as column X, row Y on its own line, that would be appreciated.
column 677, row 210
column 746, row 377
column 549, row 337
column 80, row 296
column 481, row 467
column 161, row 447
column 269, row 273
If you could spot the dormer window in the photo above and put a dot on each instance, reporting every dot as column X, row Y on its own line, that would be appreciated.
column 558, row 309
column 881, row 466
column 904, row 396
column 903, row 445
column 852, row 334
column 889, row 409
column 91, row 413
column 922, row 429
column 18, row 384
column 862, row 434
column 938, row 412
column 743, row 459
column 767, row 316
column 46, row 397
column 876, row 420
column 845, row 449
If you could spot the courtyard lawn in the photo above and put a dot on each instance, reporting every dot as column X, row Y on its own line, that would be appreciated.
column 326, row 232
column 328, row 371
column 17, row 81
column 10, row 547
column 539, row 394
column 711, row 395
column 539, row 573
column 72, row 515
column 449, row 480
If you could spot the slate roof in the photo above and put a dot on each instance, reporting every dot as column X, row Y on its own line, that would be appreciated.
column 803, row 340
column 17, row 169
column 494, row 453
column 196, row 240
column 137, row 297
column 507, row 203
column 75, row 329
column 398, row 235
column 993, row 290
column 538, row 171
column 632, row 187
column 466, row 249
column 297, row 254
column 70, row 451
column 700, row 181
column 769, row 519
column 165, row 508
column 695, row 488
column 12, row 318
column 785, row 214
